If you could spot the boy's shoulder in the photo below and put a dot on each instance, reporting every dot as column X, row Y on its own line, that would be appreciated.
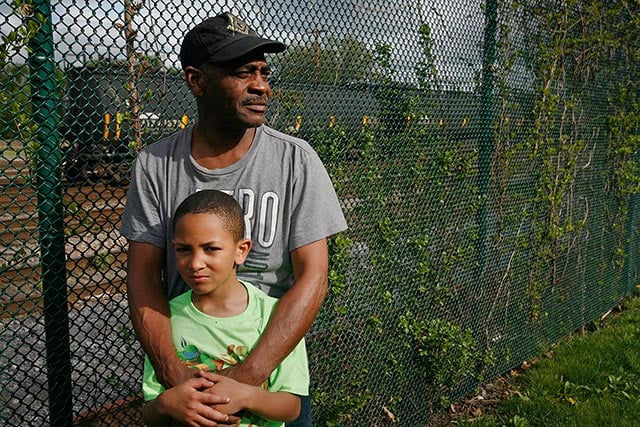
column 181, row 300
column 255, row 293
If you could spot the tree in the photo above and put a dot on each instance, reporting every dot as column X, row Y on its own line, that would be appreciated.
column 15, row 106
column 337, row 61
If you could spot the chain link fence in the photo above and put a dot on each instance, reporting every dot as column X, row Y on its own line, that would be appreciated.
column 485, row 154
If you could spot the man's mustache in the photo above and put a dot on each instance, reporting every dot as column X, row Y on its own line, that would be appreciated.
column 256, row 100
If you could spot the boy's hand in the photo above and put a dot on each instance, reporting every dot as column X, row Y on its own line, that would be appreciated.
column 188, row 404
column 238, row 393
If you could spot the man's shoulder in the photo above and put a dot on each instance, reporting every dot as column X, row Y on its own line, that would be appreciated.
column 286, row 139
column 168, row 143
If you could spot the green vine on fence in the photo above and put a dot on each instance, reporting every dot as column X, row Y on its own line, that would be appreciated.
column 624, row 143
column 448, row 352
column 15, row 107
column 623, row 122
column 18, row 38
column 561, row 145
column 427, row 257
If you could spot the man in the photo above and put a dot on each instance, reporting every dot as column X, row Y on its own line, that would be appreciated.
column 289, row 204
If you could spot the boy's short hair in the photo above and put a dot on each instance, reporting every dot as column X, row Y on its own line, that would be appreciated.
column 216, row 203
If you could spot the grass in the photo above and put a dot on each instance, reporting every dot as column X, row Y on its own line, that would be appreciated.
column 591, row 379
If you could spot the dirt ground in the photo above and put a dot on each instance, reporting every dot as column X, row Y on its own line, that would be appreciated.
column 480, row 403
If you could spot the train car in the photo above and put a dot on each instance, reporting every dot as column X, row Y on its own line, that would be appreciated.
column 99, row 122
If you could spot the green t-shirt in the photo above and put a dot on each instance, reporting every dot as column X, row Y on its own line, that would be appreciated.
column 214, row 343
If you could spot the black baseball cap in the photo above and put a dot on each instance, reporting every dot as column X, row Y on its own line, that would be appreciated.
column 223, row 38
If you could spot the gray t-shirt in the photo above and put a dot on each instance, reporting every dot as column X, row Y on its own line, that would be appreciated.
column 286, row 194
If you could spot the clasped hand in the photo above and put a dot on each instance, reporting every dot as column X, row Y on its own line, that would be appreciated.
column 208, row 400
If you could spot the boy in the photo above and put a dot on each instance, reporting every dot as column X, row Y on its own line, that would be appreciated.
column 219, row 321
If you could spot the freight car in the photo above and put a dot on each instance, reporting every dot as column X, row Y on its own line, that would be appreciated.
column 98, row 124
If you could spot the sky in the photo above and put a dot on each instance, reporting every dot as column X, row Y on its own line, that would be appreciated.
column 86, row 30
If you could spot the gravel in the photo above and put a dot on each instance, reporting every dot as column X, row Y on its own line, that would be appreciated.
column 106, row 361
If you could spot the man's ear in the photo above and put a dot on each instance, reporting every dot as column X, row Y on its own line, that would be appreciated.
column 243, row 248
column 195, row 80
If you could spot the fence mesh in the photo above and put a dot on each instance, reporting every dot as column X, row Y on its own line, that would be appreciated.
column 485, row 155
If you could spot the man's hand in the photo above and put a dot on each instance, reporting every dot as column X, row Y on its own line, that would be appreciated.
column 241, row 374
column 189, row 405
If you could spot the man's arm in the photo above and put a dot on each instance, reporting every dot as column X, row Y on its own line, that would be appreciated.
column 293, row 316
column 149, row 312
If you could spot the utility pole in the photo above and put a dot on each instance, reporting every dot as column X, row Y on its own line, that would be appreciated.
column 316, row 55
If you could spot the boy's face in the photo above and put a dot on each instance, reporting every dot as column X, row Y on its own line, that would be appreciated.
column 206, row 253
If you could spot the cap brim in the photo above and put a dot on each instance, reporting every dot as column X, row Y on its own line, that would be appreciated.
column 245, row 45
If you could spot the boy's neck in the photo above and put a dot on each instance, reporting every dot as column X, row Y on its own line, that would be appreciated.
column 228, row 302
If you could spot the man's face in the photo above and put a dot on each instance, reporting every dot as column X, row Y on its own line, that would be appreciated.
column 236, row 94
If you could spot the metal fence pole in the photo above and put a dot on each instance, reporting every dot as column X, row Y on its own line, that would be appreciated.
column 631, row 247
column 487, row 102
column 45, row 105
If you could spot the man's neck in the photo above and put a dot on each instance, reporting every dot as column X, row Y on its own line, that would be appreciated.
column 216, row 149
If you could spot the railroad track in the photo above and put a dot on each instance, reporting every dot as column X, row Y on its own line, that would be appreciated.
column 94, row 270
column 95, row 250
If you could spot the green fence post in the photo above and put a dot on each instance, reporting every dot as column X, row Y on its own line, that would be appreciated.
column 45, row 103
column 631, row 247
column 485, row 148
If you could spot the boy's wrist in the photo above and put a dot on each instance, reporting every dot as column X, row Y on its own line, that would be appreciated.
column 250, row 395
